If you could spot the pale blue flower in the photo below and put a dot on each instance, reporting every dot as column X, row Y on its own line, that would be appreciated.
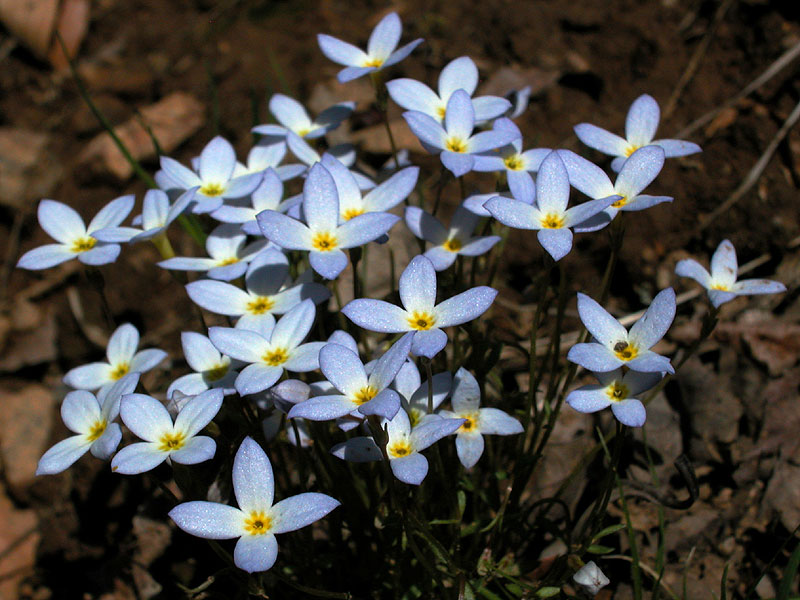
column 150, row 421
column 257, row 520
column 268, row 291
column 455, row 141
column 380, row 52
column 75, row 239
column 636, row 174
column 640, row 129
column 271, row 348
column 345, row 153
column 404, row 446
column 157, row 214
column 458, row 74
column 122, row 358
column 322, row 236
column 92, row 419
column 617, row 391
column 615, row 347
column 721, row 283
column 466, row 399
column 448, row 242
column 214, row 177
column 414, row 392
column 212, row 369
column 549, row 214
column 519, row 100
column 268, row 153
column 420, row 313
column 228, row 251
column 292, row 116
column 358, row 394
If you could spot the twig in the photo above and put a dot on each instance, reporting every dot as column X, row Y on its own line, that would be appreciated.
column 755, row 173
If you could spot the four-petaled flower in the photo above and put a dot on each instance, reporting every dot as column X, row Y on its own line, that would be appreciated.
column 617, row 391
column 721, row 282
column 615, row 346
column 380, row 52
column 156, row 216
column 420, row 313
column 257, row 520
column 640, row 129
column 293, row 117
column 212, row 369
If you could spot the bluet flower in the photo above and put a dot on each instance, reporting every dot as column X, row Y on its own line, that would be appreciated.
column 420, row 313
column 268, row 153
column 380, row 52
column 157, row 214
column 257, row 520
column 591, row 577
column 149, row 420
column 75, row 239
column 292, row 116
column 615, row 346
column 92, row 418
column 721, row 283
column 466, row 399
column 212, row 369
column 122, row 358
column 640, row 129
column 617, row 391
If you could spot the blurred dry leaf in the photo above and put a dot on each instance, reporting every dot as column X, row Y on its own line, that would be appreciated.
column 27, row 170
column 19, row 540
column 725, row 118
column 375, row 139
column 506, row 79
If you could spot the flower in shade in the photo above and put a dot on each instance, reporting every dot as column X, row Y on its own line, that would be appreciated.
column 358, row 393
column 615, row 346
column 617, row 391
column 149, row 420
column 448, row 242
column 640, row 129
column 268, row 291
column 459, row 74
column 636, row 174
column 214, row 178
column 292, row 116
column 591, row 577
column 157, row 214
column 122, row 358
column 212, row 369
column 92, row 419
column 510, row 159
column 271, row 348
column 420, row 313
column 75, row 239
column 380, row 52
column 549, row 214
column 345, row 153
column 257, row 520
column 404, row 445
column 466, row 399
column 414, row 392
column 228, row 254
column 721, row 282
column 268, row 153
column 321, row 235
column 455, row 141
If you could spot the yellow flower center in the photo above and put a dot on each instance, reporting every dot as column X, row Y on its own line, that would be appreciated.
column 276, row 357
column 399, row 449
column 324, row 241
column 96, row 430
column 120, row 371
column 364, row 395
column 170, row 442
column 721, row 287
column 617, row 391
column 373, row 62
column 260, row 305
column 421, row 320
column 630, row 150
column 414, row 416
column 441, row 111
column 352, row 212
column 470, row 424
column 514, row 162
column 212, row 189
column 456, row 145
column 621, row 202
column 303, row 132
column 257, row 523
column 228, row 261
column 452, row 245
column 83, row 244
column 552, row 221
column 216, row 373
column 625, row 351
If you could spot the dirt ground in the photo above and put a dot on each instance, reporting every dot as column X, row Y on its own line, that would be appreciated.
column 734, row 409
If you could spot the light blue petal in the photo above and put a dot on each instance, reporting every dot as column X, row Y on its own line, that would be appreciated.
column 145, row 416
column 603, row 327
column 241, row 344
column 392, row 191
column 112, row 214
column 410, row 469
column 491, row 139
column 425, row 226
column 641, row 168
column 724, row 264
column 478, row 246
column 469, row 447
column 466, row 395
column 102, row 254
column 426, row 128
column 209, row 520
column 430, row 432
column 341, row 52
column 642, row 121
column 513, row 213
column 45, row 257
column 459, row 164
column 428, row 343
column 552, row 185
column 384, row 38
column 465, row 306
column 257, row 378
column 377, row 315
column 674, row 148
column 243, row 185
column 630, row 412
column 385, row 404
column 585, row 176
column 365, row 228
column 304, row 358
column 460, row 73
column 284, row 231
column 459, row 119
column 557, row 242
column 758, row 286
column 403, row 51
column 198, row 412
column 298, row 511
column 492, row 421
column 719, row 297
column 594, row 357
column 440, row 257
column 343, row 368
column 196, row 450
column 521, row 185
column 320, row 199
column 655, row 322
column 329, row 264
column 351, row 73
column 358, row 449
column 138, row 458
column 288, row 112
column 292, row 328
column 413, row 95
column 489, row 107
column 386, row 367
column 182, row 177
column 253, row 481
column 600, row 139
column 63, row 455
column 256, row 553
column 323, row 408
column 104, row 446
column 589, row 398
column 650, row 362
column 643, row 201
column 61, row 222
column 217, row 161
column 417, row 285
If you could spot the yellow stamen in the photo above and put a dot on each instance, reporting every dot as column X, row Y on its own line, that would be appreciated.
column 630, row 150
column 456, row 145
column 276, row 357
column 212, row 190
column 120, row 372
column 621, row 202
column 373, row 62
column 453, row 245
column 257, row 523
column 421, row 320
column 441, row 111
column 260, row 305
column 324, row 241
column 514, row 162
column 303, row 132
column 399, row 449
column 617, row 391
column 364, row 395
column 83, row 244
column 552, row 221
column 721, row 287
column 352, row 212
column 96, row 430
column 216, row 373
column 414, row 416
column 625, row 351
column 228, row 261
column 470, row 424
column 170, row 442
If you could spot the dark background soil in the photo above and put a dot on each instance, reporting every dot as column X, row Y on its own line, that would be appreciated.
column 84, row 531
